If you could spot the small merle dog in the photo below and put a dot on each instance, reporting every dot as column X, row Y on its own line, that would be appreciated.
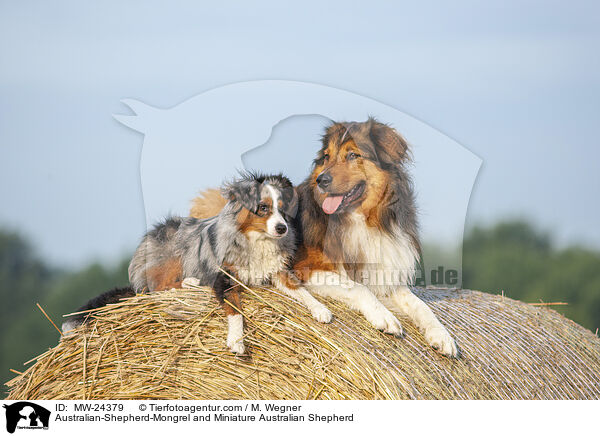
column 252, row 239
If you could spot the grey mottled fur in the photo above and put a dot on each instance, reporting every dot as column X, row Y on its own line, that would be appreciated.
column 205, row 245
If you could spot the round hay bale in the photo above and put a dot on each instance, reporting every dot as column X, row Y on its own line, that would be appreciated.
column 171, row 345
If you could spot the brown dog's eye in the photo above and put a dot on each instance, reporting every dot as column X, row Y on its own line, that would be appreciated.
column 325, row 157
column 262, row 209
column 352, row 156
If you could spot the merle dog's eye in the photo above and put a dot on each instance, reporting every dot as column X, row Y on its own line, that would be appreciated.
column 352, row 156
column 263, row 208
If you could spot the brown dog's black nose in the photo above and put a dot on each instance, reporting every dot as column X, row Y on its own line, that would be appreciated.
column 281, row 228
column 324, row 180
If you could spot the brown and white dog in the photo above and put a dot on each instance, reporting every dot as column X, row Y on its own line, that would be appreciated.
column 359, row 235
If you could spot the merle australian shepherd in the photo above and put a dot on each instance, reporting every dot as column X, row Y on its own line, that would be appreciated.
column 358, row 228
column 252, row 239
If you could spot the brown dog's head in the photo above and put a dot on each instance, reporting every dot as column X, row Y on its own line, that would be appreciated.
column 354, row 166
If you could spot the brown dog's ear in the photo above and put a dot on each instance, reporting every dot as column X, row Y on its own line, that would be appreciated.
column 292, row 206
column 391, row 148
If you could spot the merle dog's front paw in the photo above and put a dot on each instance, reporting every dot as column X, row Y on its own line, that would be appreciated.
column 190, row 283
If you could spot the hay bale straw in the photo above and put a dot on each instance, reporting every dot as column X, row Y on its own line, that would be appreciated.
column 171, row 345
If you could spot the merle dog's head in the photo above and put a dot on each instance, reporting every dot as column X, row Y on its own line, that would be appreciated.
column 266, row 203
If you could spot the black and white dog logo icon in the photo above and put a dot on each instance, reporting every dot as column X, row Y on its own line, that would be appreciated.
column 26, row 415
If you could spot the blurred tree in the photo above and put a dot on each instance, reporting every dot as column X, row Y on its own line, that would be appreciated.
column 516, row 258
column 23, row 277
column 70, row 291
column 24, row 281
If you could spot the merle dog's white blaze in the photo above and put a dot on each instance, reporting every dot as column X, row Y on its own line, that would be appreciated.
column 276, row 218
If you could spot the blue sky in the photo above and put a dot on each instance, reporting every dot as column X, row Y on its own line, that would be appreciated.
column 517, row 83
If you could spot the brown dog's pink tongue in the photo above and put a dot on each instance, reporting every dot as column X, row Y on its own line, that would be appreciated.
column 331, row 204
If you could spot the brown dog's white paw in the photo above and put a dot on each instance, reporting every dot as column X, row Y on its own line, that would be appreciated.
column 385, row 321
column 322, row 314
column 442, row 341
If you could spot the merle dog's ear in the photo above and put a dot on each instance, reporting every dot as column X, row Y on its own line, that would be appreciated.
column 390, row 147
column 244, row 192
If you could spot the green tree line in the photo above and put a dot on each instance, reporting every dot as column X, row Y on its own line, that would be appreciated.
column 515, row 258
column 25, row 280
column 511, row 257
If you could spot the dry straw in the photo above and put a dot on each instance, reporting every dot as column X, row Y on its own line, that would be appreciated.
column 171, row 345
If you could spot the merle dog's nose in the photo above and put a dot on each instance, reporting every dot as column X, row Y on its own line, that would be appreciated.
column 280, row 228
column 324, row 180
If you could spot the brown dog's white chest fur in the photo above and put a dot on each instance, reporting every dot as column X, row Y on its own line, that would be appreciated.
column 384, row 260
